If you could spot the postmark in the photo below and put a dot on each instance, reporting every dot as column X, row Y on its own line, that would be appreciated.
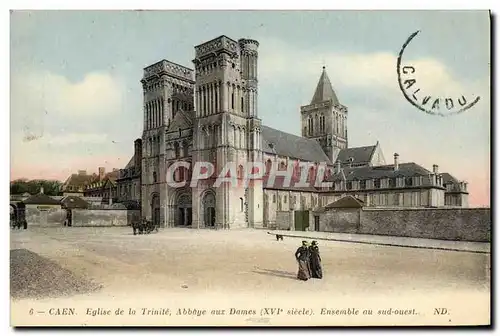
column 423, row 99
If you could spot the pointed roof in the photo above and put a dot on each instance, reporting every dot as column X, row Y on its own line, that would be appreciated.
column 324, row 90
column 41, row 199
column 346, row 202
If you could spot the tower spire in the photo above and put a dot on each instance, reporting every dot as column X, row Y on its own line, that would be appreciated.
column 324, row 90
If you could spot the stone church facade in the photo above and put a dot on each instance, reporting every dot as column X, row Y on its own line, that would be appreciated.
column 210, row 114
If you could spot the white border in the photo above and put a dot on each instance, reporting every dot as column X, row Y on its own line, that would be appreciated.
column 127, row 4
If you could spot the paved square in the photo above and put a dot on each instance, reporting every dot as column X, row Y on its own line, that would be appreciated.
column 250, row 264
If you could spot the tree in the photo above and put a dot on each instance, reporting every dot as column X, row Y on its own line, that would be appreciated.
column 50, row 187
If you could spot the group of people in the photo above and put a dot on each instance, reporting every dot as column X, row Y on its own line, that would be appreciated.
column 309, row 261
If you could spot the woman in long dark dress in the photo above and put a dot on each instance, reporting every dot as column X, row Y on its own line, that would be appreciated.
column 302, row 256
column 315, row 261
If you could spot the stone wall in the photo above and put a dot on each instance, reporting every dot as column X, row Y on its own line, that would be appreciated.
column 340, row 220
column 87, row 217
column 284, row 220
column 45, row 215
column 466, row 224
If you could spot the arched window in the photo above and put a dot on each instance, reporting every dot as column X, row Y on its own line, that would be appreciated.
column 182, row 174
column 185, row 148
column 298, row 171
column 232, row 100
column 204, row 101
column 240, row 172
column 242, row 109
column 269, row 164
column 311, row 174
column 154, row 177
column 216, row 101
column 241, row 204
column 282, row 165
column 176, row 149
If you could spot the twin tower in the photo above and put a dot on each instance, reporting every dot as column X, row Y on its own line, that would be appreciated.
column 210, row 115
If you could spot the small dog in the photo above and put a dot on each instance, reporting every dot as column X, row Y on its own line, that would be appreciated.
column 279, row 237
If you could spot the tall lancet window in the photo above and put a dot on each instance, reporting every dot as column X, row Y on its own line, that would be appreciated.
column 216, row 99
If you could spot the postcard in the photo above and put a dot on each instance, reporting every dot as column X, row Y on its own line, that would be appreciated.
column 250, row 168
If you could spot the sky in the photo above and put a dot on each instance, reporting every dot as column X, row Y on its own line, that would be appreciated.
column 76, row 97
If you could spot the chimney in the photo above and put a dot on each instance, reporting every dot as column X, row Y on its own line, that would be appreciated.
column 435, row 168
column 41, row 190
column 102, row 172
column 396, row 161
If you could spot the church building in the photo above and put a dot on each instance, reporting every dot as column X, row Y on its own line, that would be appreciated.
column 210, row 114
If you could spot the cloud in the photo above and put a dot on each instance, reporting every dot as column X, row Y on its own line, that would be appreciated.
column 370, row 71
column 42, row 98
column 56, row 123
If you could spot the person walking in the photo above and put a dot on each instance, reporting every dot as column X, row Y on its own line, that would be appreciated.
column 302, row 257
column 315, row 261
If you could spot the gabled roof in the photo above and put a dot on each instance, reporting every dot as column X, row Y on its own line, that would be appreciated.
column 448, row 178
column 324, row 90
column 181, row 120
column 41, row 199
column 359, row 154
column 346, row 202
column 285, row 144
column 409, row 169
column 74, row 202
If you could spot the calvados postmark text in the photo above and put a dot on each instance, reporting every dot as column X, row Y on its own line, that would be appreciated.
column 424, row 100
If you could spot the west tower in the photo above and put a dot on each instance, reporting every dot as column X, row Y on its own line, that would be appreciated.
column 227, row 129
column 167, row 89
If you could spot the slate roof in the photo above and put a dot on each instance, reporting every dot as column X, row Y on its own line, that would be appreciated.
column 346, row 202
column 409, row 169
column 448, row 178
column 279, row 184
column 359, row 154
column 130, row 164
column 324, row 90
column 112, row 176
column 41, row 199
column 285, row 144
column 77, row 180
column 74, row 202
